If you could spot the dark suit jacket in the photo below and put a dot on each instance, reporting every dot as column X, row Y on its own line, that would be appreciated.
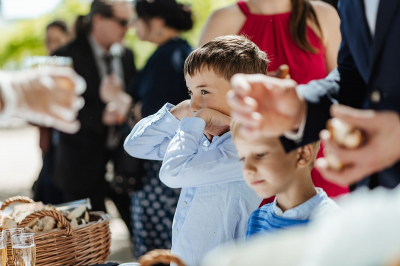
column 367, row 77
column 80, row 158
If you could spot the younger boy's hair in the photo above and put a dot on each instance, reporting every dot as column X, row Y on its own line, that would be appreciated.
column 235, row 133
column 227, row 56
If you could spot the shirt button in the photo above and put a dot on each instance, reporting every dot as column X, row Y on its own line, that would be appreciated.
column 184, row 204
column 376, row 96
column 176, row 231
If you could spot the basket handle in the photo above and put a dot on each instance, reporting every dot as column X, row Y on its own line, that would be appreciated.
column 9, row 201
column 55, row 214
column 159, row 256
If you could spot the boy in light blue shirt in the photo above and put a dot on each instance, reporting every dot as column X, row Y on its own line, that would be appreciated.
column 197, row 150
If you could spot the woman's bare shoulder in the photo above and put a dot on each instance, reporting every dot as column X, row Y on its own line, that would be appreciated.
column 325, row 12
column 230, row 13
column 225, row 21
column 328, row 19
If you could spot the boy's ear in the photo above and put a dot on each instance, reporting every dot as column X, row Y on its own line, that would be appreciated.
column 305, row 155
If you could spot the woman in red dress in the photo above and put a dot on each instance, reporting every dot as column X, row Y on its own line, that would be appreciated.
column 302, row 34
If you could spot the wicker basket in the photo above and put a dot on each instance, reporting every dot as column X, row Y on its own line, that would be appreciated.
column 4, row 205
column 83, row 245
column 17, row 199
column 159, row 256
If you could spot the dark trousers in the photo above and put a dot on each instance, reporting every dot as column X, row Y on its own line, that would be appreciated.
column 44, row 189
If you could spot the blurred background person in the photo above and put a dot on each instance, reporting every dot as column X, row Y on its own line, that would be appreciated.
column 161, row 81
column 108, row 68
column 57, row 35
column 302, row 34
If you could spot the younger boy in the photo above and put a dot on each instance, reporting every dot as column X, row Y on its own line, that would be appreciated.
column 197, row 150
column 270, row 171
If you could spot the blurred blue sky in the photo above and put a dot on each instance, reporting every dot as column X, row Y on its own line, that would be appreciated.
column 26, row 9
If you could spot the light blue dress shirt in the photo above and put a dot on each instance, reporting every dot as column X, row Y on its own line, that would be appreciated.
column 215, row 202
column 317, row 206
column 270, row 218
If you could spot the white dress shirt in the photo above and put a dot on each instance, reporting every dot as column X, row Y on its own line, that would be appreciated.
column 317, row 206
column 371, row 12
column 116, row 51
column 215, row 202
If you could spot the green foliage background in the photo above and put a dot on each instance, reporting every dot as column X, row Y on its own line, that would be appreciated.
column 26, row 37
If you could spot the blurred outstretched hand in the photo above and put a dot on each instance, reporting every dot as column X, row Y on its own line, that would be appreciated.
column 266, row 105
column 48, row 96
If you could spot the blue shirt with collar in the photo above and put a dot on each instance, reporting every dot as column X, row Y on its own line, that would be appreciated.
column 215, row 202
column 270, row 217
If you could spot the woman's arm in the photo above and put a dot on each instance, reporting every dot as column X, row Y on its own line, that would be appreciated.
column 225, row 21
column 329, row 21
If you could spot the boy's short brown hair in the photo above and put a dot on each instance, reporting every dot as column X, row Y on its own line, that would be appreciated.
column 235, row 126
column 227, row 56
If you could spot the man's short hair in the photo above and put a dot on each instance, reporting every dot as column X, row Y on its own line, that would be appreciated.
column 227, row 56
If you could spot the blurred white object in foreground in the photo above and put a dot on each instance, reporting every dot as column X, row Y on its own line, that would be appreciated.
column 366, row 232
column 48, row 96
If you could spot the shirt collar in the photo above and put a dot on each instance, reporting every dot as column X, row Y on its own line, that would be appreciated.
column 304, row 210
column 99, row 51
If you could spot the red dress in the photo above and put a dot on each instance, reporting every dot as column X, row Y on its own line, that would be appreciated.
column 272, row 34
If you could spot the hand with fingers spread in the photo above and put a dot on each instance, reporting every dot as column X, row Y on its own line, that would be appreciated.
column 217, row 123
column 381, row 150
column 266, row 105
column 46, row 96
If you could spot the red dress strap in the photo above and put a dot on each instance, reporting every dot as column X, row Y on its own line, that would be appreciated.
column 242, row 5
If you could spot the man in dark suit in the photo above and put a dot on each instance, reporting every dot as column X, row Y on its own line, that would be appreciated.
column 108, row 68
column 367, row 77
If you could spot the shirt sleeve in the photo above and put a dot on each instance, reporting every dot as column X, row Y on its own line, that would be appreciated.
column 297, row 136
column 187, row 163
column 150, row 137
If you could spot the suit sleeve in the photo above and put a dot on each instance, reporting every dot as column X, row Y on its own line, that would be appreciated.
column 344, row 85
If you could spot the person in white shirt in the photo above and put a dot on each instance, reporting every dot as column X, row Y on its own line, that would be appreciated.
column 270, row 171
column 197, row 150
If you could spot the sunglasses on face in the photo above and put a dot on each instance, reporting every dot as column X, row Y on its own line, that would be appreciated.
column 123, row 22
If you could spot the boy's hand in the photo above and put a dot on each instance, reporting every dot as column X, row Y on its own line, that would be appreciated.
column 182, row 110
column 216, row 122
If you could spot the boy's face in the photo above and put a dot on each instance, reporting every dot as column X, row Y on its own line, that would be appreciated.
column 207, row 90
column 267, row 168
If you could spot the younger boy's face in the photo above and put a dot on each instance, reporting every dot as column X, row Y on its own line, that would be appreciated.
column 267, row 168
column 207, row 90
